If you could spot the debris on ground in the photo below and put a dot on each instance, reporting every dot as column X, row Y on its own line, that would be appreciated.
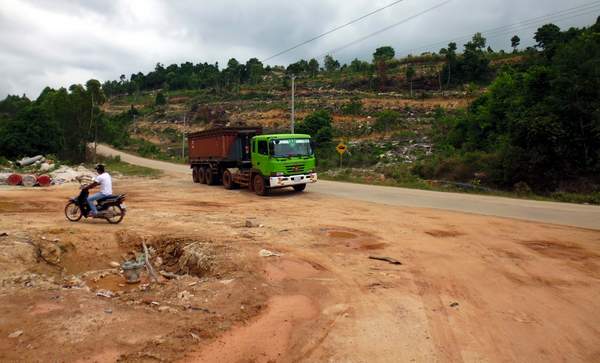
column 251, row 224
column 31, row 160
column 29, row 180
column 66, row 174
column 267, row 253
column 168, row 275
column 15, row 334
column 105, row 293
column 393, row 261
column 149, row 267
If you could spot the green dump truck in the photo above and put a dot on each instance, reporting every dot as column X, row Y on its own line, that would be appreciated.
column 243, row 156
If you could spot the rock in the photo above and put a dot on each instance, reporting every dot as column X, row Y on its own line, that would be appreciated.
column 3, row 234
column 114, row 264
column 15, row 334
column 105, row 293
column 184, row 295
column 44, row 167
column 454, row 304
column 226, row 282
column 194, row 336
column 267, row 253
column 251, row 224
column 108, row 311
column 163, row 308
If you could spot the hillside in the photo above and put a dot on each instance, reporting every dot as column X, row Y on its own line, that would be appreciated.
column 487, row 121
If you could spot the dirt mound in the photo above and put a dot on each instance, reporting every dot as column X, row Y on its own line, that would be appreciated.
column 188, row 256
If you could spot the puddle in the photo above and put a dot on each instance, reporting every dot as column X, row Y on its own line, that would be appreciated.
column 341, row 234
column 352, row 238
column 112, row 283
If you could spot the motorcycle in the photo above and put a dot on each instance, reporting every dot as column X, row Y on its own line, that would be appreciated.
column 110, row 207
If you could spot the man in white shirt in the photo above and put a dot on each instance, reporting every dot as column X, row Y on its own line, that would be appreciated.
column 105, row 182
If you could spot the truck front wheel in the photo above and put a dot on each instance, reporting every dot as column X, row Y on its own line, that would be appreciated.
column 228, row 182
column 259, row 185
column 299, row 187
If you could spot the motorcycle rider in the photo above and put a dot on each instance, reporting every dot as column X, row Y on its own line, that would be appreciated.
column 105, row 182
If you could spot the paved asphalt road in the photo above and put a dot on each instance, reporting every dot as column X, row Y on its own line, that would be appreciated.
column 585, row 216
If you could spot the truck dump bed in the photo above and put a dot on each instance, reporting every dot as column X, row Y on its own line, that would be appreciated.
column 224, row 144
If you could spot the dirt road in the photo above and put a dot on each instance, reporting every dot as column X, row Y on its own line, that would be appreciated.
column 470, row 288
column 585, row 216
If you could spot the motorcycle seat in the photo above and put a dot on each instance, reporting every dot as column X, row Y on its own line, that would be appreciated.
column 110, row 197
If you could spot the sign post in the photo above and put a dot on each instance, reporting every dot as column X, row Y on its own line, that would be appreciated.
column 341, row 149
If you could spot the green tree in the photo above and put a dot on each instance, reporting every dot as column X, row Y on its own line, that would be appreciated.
column 160, row 99
column 255, row 70
column 383, row 54
column 410, row 73
column 381, row 57
column 331, row 64
column 318, row 125
column 451, row 58
column 313, row 67
column 514, row 42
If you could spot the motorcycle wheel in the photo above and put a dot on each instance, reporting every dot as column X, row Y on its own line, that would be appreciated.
column 117, row 214
column 73, row 212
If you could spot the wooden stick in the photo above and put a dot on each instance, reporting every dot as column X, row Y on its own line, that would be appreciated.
column 149, row 267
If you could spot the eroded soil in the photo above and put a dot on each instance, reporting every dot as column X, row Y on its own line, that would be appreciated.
column 470, row 288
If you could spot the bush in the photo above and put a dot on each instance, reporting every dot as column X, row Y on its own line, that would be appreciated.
column 318, row 125
column 354, row 107
column 160, row 99
column 386, row 120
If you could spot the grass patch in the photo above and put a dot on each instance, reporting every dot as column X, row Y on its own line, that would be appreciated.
column 114, row 164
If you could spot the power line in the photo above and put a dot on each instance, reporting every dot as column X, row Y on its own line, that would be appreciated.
column 385, row 29
column 577, row 9
column 331, row 31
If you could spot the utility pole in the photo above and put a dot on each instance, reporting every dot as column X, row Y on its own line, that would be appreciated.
column 183, row 138
column 95, row 126
column 293, row 111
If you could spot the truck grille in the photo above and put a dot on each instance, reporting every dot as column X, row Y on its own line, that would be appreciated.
column 295, row 168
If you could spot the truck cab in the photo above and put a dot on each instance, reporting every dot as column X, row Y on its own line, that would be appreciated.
column 284, row 160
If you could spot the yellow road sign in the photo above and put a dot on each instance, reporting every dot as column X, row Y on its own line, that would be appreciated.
column 341, row 148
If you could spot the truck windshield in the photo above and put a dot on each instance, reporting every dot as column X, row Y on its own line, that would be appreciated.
column 290, row 147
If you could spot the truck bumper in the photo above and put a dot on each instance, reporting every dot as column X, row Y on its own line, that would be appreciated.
column 285, row 181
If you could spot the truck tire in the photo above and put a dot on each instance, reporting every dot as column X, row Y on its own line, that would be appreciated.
column 259, row 185
column 201, row 175
column 209, row 178
column 228, row 182
column 195, row 177
column 299, row 187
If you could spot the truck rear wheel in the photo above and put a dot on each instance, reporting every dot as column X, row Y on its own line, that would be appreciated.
column 195, row 176
column 259, row 185
column 209, row 178
column 201, row 175
column 299, row 187
column 228, row 182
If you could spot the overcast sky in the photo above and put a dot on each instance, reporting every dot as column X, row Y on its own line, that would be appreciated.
column 61, row 42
